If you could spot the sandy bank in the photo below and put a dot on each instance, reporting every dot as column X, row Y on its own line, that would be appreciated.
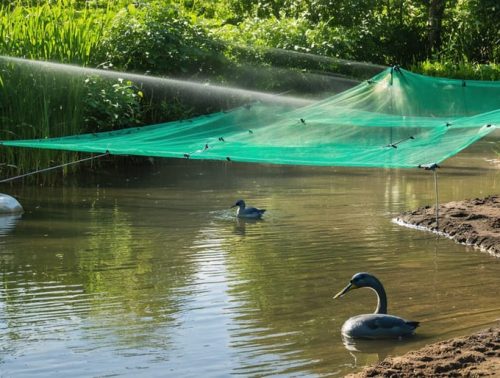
column 477, row 355
column 474, row 222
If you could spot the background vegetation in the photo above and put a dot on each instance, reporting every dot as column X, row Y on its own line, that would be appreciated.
column 258, row 44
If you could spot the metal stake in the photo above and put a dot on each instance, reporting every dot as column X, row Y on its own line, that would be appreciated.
column 432, row 167
column 437, row 199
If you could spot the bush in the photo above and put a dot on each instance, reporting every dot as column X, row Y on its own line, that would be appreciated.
column 158, row 38
column 110, row 106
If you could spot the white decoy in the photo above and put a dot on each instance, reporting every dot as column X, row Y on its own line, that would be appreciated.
column 378, row 325
column 247, row 212
column 9, row 205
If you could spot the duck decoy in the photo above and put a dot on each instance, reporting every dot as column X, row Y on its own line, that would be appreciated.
column 378, row 325
column 9, row 205
column 247, row 212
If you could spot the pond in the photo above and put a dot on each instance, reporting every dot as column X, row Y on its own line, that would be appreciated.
column 148, row 272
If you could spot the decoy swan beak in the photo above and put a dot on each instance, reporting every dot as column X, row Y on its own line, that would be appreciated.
column 349, row 287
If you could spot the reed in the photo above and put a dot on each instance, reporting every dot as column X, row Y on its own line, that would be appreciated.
column 45, row 106
column 61, row 31
column 38, row 104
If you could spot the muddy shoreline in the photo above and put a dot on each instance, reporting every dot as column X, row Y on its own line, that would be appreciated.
column 474, row 222
column 476, row 355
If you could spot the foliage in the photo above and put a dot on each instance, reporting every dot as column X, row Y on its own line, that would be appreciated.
column 55, row 31
column 459, row 70
column 158, row 38
column 111, row 106
column 472, row 32
column 52, row 105
column 44, row 107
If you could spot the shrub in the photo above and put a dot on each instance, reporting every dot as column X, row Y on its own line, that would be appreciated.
column 158, row 38
column 109, row 106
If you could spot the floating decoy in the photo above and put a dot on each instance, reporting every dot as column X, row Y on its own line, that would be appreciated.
column 247, row 212
column 378, row 325
column 9, row 205
column 429, row 167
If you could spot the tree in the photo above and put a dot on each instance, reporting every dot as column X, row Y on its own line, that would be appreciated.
column 436, row 9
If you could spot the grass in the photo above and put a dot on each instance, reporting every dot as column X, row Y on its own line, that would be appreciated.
column 37, row 104
column 46, row 106
column 460, row 70
column 58, row 31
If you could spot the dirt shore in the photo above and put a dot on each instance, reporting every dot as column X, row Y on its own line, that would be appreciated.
column 477, row 355
column 474, row 222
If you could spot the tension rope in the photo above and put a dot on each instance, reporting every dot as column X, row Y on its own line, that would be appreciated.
column 55, row 167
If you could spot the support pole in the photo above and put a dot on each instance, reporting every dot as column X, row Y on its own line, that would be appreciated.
column 437, row 198
column 433, row 167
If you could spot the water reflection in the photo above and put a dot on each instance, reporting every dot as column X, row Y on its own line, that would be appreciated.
column 382, row 348
column 8, row 222
column 156, row 276
column 363, row 352
column 240, row 225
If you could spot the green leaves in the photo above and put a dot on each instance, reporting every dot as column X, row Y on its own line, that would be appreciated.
column 159, row 38
column 109, row 106
column 57, row 31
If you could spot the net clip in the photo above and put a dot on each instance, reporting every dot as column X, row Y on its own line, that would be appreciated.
column 395, row 145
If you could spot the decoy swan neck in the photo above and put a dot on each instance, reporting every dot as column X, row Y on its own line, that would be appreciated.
column 381, row 298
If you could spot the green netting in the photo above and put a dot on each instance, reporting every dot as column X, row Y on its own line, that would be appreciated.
column 396, row 119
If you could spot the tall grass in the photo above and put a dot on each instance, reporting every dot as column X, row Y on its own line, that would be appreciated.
column 45, row 106
column 38, row 104
column 459, row 70
column 60, row 31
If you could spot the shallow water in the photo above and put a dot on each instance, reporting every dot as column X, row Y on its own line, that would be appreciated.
column 148, row 273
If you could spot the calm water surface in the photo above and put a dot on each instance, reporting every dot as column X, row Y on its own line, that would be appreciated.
column 148, row 273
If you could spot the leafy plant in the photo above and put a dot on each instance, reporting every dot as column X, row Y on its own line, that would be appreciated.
column 109, row 106
column 59, row 30
column 157, row 38
column 460, row 70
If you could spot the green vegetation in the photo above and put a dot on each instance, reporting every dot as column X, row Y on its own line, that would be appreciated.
column 257, row 44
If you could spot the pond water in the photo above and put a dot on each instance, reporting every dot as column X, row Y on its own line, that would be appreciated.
column 148, row 273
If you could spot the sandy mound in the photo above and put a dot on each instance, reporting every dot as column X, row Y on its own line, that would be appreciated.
column 475, row 222
column 477, row 355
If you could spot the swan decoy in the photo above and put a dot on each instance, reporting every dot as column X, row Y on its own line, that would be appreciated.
column 378, row 325
column 247, row 212
column 9, row 205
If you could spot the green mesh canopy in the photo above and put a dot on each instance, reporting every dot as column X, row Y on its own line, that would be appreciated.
column 396, row 119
